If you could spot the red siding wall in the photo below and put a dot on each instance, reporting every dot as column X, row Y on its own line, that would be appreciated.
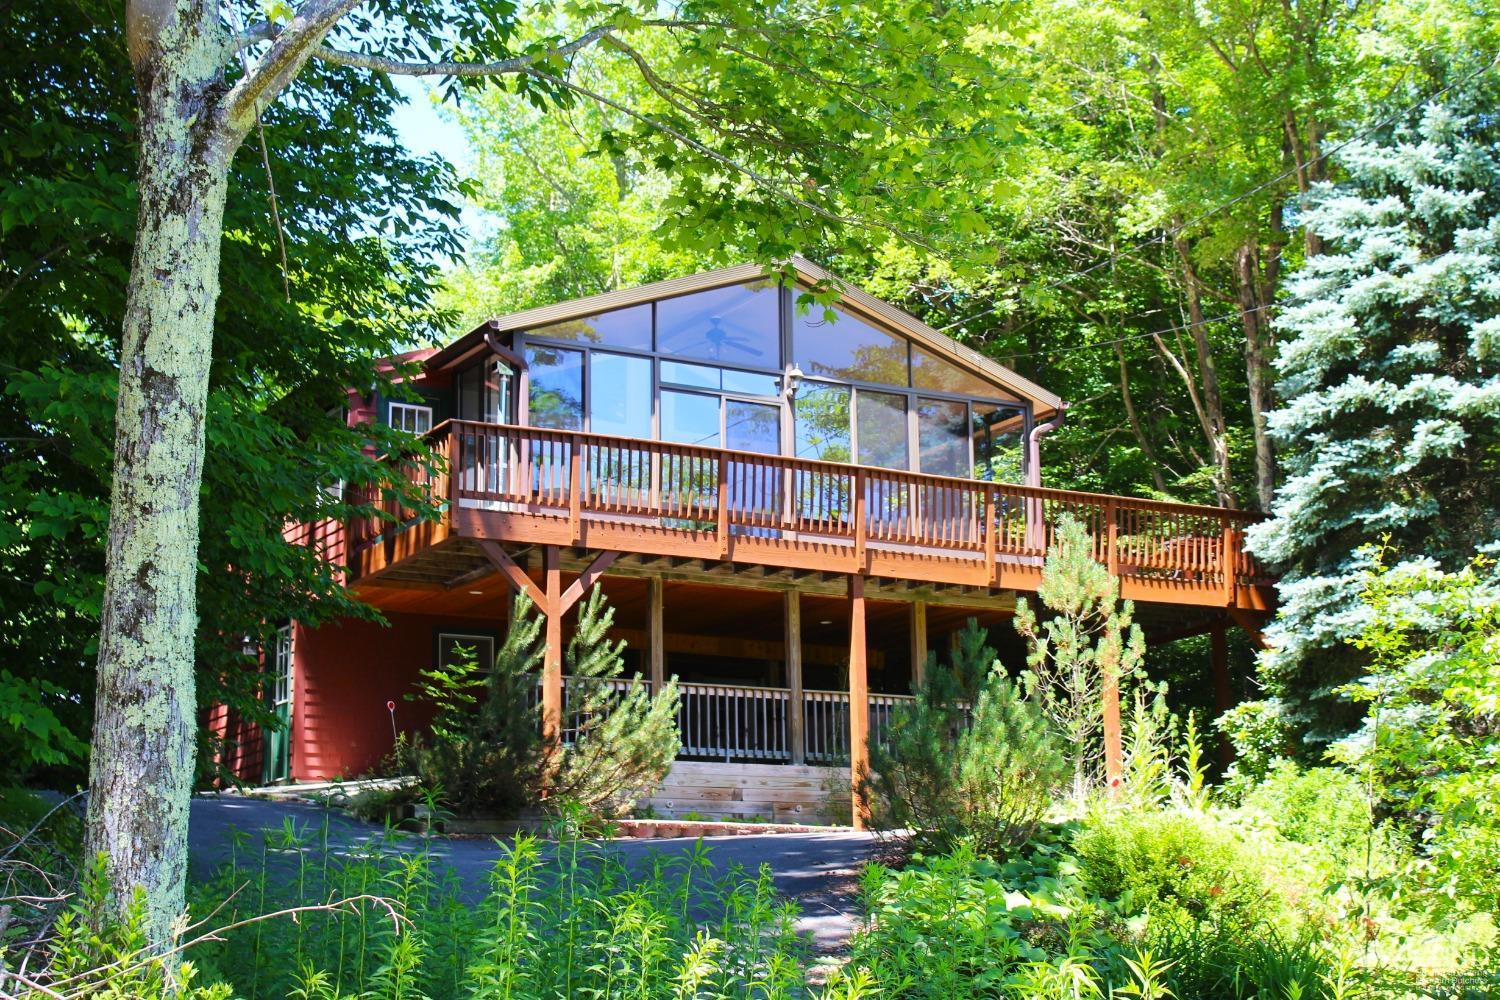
column 343, row 676
column 243, row 744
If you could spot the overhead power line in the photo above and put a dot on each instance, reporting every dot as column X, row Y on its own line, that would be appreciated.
column 1173, row 231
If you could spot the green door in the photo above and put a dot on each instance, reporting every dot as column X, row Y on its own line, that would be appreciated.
column 277, row 758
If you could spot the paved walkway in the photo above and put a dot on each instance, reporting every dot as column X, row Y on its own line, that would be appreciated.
column 818, row 870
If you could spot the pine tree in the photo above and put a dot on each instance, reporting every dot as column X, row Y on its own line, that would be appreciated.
column 623, row 737
column 1079, row 655
column 1391, row 421
column 970, row 758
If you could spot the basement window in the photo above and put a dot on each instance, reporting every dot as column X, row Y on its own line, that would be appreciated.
column 454, row 646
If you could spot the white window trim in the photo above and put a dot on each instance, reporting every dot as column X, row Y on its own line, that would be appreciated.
column 398, row 414
column 285, row 655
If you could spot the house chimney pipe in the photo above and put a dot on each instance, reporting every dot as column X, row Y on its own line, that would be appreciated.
column 1034, row 445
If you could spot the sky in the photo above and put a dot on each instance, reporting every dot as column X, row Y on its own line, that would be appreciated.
column 424, row 126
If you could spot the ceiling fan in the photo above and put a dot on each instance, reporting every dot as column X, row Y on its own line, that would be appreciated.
column 716, row 339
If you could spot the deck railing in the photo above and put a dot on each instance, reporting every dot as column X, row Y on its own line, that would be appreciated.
column 576, row 475
column 743, row 723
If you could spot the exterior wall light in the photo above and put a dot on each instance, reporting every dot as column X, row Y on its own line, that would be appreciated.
column 791, row 381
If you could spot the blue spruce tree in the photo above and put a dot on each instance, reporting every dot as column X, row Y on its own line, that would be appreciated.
column 1388, row 371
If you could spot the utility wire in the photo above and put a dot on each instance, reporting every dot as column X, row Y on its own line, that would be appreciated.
column 1223, row 206
column 1222, row 318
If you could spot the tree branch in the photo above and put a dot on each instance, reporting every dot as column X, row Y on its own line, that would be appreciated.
column 290, row 50
column 517, row 64
column 755, row 177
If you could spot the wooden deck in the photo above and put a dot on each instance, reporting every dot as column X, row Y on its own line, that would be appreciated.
column 651, row 499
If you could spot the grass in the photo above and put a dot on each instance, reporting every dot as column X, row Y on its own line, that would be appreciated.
column 561, row 919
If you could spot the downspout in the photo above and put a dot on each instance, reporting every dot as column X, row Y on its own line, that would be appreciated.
column 1034, row 445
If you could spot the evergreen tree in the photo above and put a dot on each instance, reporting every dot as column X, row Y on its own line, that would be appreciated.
column 624, row 738
column 970, row 759
column 486, row 755
column 1079, row 655
column 1391, row 421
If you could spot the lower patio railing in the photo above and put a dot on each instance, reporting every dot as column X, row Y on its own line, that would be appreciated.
column 745, row 724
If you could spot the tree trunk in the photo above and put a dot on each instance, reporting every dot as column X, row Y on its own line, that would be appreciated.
column 141, row 766
column 1254, row 314
column 1136, row 427
column 1214, row 426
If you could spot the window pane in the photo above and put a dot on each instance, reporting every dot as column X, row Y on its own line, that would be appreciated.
column 690, row 418
column 468, row 395
column 728, row 379
column 751, row 383
column 882, row 429
column 620, row 395
column 998, row 443
column 556, row 387
column 752, row 427
column 702, row 376
column 821, row 421
column 928, row 371
column 455, row 649
column 943, row 437
column 740, row 324
column 847, row 348
column 629, row 328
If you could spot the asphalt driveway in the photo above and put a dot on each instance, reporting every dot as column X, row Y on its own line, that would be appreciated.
column 818, row 870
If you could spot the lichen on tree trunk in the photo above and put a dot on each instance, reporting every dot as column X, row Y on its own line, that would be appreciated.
column 141, row 766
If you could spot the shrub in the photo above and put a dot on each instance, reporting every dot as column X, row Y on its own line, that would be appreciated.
column 969, row 759
column 1428, row 744
column 1172, row 865
column 1324, row 807
column 962, row 925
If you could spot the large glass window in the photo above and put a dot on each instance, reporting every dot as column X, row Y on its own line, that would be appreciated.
column 556, row 387
column 928, row 371
column 690, row 418
column 943, row 437
column 629, row 328
column 738, row 324
column 821, row 422
column 620, row 395
column 882, row 429
column 998, row 443
column 847, row 348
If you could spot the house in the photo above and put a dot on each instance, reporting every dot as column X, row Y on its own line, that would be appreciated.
column 787, row 511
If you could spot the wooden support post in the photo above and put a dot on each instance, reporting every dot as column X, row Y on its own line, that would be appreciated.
column 1114, row 752
column 1218, row 645
column 859, row 704
column 796, row 741
column 656, row 642
column 918, row 642
column 552, row 657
